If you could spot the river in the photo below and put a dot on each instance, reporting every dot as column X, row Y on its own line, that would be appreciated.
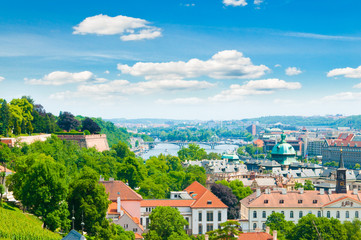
column 172, row 149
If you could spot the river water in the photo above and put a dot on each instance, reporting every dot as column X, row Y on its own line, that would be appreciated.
column 172, row 149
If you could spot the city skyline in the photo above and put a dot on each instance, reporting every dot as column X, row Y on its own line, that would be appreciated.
column 220, row 60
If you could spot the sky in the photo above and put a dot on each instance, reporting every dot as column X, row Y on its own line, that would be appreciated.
column 183, row 59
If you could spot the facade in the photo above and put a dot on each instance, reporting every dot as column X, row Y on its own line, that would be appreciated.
column 98, row 141
column 199, row 206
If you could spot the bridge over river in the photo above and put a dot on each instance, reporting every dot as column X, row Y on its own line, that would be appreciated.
column 181, row 144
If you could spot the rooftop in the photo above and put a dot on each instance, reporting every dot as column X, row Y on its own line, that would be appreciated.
column 120, row 189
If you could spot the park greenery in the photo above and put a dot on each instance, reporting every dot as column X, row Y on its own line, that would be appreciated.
column 194, row 152
column 306, row 186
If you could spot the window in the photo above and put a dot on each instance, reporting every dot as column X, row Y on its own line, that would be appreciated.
column 347, row 214
column 283, row 213
column 300, row 214
column 125, row 226
column 254, row 226
column 209, row 202
column 200, row 216
column 209, row 217
column 300, row 201
column 187, row 226
column 315, row 201
column 263, row 226
column 209, row 227
column 319, row 214
column 135, row 230
column 291, row 214
column 264, row 214
column 254, row 214
column 147, row 222
column 265, row 201
column 200, row 229
column 219, row 216
column 338, row 214
column 282, row 201
column 141, row 221
column 356, row 214
column 328, row 214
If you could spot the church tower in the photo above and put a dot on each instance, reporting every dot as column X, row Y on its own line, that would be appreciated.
column 341, row 176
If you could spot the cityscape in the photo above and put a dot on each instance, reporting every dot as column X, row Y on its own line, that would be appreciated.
column 180, row 120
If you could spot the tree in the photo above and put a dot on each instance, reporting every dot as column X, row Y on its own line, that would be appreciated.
column 327, row 228
column 67, row 121
column 89, row 200
column 307, row 186
column 122, row 150
column 194, row 173
column 192, row 152
column 4, row 118
column 353, row 229
column 238, row 189
column 357, row 166
column 132, row 171
column 5, row 156
column 90, row 125
column 165, row 221
column 229, row 231
column 40, row 184
column 276, row 221
column 226, row 195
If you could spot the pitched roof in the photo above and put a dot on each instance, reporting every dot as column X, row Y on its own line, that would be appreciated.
column 204, row 198
column 112, row 210
column 120, row 189
column 255, row 236
column 167, row 202
column 138, row 236
column 74, row 235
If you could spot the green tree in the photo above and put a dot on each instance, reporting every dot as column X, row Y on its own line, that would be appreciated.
column 353, row 229
column 132, row 170
column 90, row 125
column 327, row 228
column 238, row 189
column 67, row 121
column 165, row 221
column 89, row 200
column 229, row 231
column 4, row 117
column 122, row 150
column 357, row 166
column 192, row 152
column 276, row 221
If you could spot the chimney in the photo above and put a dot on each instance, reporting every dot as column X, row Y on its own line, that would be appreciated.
column 355, row 191
column 258, row 192
column 301, row 190
column 274, row 234
column 284, row 191
column 118, row 205
column 322, row 191
column 267, row 229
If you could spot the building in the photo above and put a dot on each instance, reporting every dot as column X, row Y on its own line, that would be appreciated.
column 340, row 204
column 258, row 235
column 74, row 235
column 124, row 210
column 199, row 206
column 283, row 152
column 351, row 146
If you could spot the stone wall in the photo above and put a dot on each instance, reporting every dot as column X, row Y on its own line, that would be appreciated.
column 11, row 142
column 99, row 141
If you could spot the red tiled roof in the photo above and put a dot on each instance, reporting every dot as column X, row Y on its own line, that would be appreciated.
column 166, row 202
column 204, row 198
column 255, row 236
column 119, row 189
column 2, row 169
column 138, row 236
column 112, row 210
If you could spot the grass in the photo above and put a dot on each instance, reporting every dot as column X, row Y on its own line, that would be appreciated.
column 16, row 225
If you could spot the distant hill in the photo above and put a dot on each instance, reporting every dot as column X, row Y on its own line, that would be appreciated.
column 14, row 224
column 331, row 121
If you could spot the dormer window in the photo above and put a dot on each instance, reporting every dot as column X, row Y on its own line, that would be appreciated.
column 300, row 201
column 266, row 201
column 314, row 201
column 118, row 193
column 282, row 201
column 209, row 202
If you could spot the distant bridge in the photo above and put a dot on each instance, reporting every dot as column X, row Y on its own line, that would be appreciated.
column 181, row 144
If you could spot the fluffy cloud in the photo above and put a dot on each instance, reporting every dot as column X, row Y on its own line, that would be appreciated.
column 343, row 96
column 235, row 3
column 129, row 28
column 346, row 72
column 190, row 101
column 258, row 2
column 2, row 78
column 60, row 78
column 291, row 71
column 125, row 88
column 228, row 64
column 256, row 87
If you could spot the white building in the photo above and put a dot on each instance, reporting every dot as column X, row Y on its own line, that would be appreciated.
column 199, row 206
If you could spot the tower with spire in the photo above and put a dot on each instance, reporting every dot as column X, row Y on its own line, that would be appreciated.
column 341, row 176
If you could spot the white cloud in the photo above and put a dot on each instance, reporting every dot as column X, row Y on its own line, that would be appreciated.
column 129, row 28
column 320, row 36
column 278, row 65
column 60, row 78
column 292, row 71
column 2, row 78
column 189, row 101
column 228, row 64
column 255, row 87
column 235, row 3
column 125, row 88
column 106, row 72
column 343, row 96
column 258, row 2
column 346, row 72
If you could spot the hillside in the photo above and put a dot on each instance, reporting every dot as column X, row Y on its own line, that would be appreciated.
column 16, row 225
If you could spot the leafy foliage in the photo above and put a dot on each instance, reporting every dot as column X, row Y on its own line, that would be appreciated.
column 67, row 121
column 90, row 125
column 229, row 231
column 226, row 195
column 238, row 189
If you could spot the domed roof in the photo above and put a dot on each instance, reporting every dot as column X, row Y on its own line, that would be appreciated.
column 283, row 148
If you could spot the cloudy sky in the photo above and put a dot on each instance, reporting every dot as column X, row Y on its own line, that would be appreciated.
column 183, row 59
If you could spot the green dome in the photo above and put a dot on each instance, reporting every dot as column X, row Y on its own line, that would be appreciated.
column 283, row 152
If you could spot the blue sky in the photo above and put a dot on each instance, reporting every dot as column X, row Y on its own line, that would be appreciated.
column 194, row 59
